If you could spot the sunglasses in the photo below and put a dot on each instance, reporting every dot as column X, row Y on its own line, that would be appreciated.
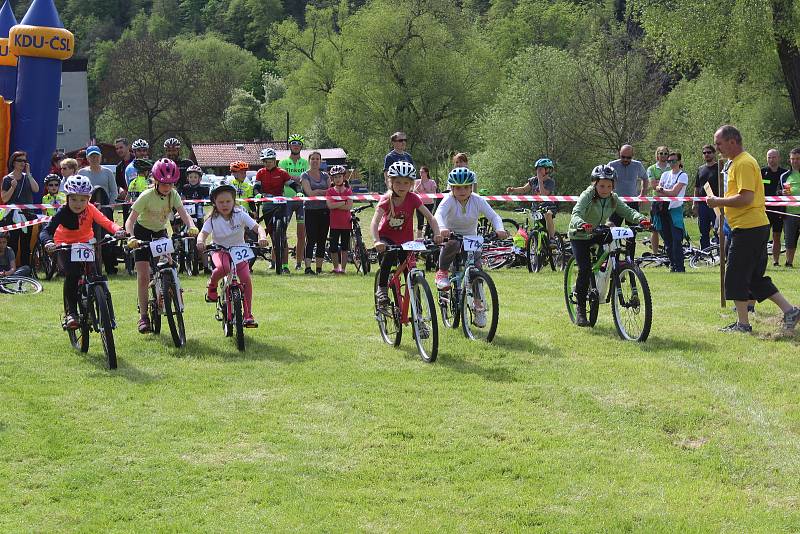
column 663, row 153
column 20, row 161
column 626, row 157
column 672, row 161
column 708, row 151
column 295, row 143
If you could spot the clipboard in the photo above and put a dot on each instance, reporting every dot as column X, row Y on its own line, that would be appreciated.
column 710, row 193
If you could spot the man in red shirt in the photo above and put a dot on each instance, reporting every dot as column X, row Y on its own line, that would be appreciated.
column 272, row 179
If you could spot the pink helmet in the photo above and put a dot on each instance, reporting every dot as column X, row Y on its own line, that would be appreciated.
column 165, row 171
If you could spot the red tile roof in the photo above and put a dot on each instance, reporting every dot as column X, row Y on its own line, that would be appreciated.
column 222, row 154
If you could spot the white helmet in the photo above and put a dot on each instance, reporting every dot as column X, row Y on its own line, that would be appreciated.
column 78, row 185
column 268, row 153
column 140, row 144
column 402, row 169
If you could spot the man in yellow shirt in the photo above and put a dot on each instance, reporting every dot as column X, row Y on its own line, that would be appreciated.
column 747, row 257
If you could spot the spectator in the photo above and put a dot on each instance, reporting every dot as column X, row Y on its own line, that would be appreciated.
column 706, row 174
column 54, row 162
column 68, row 167
column 744, row 208
column 629, row 173
column 123, row 150
column 670, row 215
column 316, row 184
column 790, row 184
column 397, row 153
column 18, row 187
column 341, row 219
column 421, row 187
column 8, row 262
column 771, row 176
column 653, row 176
column 105, row 192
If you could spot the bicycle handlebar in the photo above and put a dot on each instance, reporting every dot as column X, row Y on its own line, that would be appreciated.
column 104, row 241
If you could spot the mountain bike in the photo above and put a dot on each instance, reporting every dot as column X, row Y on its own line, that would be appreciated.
column 275, row 221
column 538, row 250
column 486, row 229
column 410, row 301
column 42, row 263
column 166, row 294
column 186, row 256
column 95, row 309
column 358, row 251
column 616, row 278
column 471, row 298
column 230, row 295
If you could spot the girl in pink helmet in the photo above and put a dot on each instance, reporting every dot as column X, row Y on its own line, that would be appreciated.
column 148, row 221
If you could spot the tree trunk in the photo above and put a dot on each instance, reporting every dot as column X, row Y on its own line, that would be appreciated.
column 788, row 53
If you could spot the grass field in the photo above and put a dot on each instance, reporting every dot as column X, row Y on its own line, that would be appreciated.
column 321, row 427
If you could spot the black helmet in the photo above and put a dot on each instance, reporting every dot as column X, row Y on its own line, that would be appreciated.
column 604, row 172
column 221, row 189
column 52, row 178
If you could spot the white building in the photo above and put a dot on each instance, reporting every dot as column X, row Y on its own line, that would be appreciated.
column 73, row 107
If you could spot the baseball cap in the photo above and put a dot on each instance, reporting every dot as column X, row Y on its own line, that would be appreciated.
column 92, row 149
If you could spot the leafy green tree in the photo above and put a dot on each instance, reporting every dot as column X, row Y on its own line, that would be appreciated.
column 241, row 118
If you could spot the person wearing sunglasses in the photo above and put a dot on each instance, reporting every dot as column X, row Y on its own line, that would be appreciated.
column 706, row 174
column 654, row 172
column 397, row 153
column 631, row 178
column 669, row 221
column 18, row 188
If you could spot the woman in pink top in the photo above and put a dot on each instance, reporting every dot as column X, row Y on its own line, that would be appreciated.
column 425, row 185
column 341, row 222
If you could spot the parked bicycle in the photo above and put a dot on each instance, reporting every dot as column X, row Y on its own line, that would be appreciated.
column 166, row 294
column 230, row 300
column 471, row 299
column 616, row 278
column 358, row 251
column 95, row 308
column 410, row 302
column 16, row 285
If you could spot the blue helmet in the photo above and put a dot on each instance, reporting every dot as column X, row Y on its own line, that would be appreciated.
column 461, row 176
column 547, row 163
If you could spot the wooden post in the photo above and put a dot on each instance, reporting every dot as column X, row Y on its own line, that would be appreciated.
column 721, row 235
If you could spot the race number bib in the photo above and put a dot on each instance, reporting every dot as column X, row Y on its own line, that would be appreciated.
column 414, row 246
column 621, row 232
column 162, row 247
column 240, row 254
column 82, row 252
column 194, row 210
column 472, row 243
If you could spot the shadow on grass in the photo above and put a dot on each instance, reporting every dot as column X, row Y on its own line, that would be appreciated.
column 255, row 349
column 655, row 343
column 525, row 344
column 124, row 368
column 493, row 374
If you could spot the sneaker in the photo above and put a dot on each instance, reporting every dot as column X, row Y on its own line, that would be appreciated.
column 144, row 325
column 249, row 322
column 480, row 318
column 310, row 271
column 442, row 279
column 382, row 294
column 790, row 318
column 71, row 322
column 787, row 264
column 211, row 295
column 580, row 317
column 775, row 264
column 285, row 270
column 319, row 270
column 736, row 327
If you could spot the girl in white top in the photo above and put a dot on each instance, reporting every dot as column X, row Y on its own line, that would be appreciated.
column 458, row 213
column 670, row 222
column 227, row 224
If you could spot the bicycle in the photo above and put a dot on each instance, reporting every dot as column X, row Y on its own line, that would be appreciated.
column 186, row 256
column 615, row 277
column 230, row 299
column 276, row 224
column 18, row 285
column 472, row 295
column 358, row 251
column 538, row 251
column 95, row 308
column 166, row 294
column 410, row 301
column 42, row 262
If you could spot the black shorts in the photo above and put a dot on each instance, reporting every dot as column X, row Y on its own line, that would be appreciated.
column 747, row 263
column 339, row 240
column 792, row 229
column 144, row 234
column 776, row 219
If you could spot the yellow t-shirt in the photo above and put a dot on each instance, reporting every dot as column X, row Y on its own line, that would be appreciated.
column 745, row 174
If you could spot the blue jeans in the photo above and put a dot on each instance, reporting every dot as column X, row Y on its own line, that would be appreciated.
column 705, row 222
column 672, row 233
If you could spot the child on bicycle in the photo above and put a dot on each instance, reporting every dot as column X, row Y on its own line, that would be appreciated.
column 71, row 224
column 227, row 224
column 148, row 222
column 595, row 205
column 393, row 222
column 459, row 212
column 194, row 190
column 341, row 221
column 140, row 180
column 53, row 196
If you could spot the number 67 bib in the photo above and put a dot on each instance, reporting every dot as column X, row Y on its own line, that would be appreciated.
column 162, row 247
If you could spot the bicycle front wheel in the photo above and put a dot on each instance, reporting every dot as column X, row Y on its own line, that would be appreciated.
column 103, row 314
column 17, row 285
column 388, row 316
column 423, row 319
column 480, row 308
column 238, row 320
column 631, row 303
column 173, row 311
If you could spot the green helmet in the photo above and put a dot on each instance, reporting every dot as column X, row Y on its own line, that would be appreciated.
column 461, row 176
column 141, row 164
column 547, row 163
column 483, row 192
column 296, row 138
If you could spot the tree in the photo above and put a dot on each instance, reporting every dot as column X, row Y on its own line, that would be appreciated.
column 241, row 117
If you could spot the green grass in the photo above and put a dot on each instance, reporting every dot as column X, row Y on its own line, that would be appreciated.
column 319, row 426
